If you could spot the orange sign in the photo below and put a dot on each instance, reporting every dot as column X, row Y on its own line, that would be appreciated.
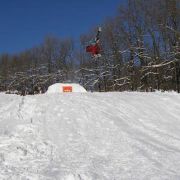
column 67, row 88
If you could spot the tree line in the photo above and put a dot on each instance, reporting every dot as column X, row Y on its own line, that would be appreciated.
column 140, row 52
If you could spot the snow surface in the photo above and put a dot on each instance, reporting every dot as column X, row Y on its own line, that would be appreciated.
column 90, row 136
column 58, row 88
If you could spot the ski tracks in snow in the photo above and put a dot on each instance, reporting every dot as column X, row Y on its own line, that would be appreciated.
column 91, row 136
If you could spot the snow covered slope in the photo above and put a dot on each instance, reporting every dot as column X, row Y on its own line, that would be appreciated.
column 87, row 136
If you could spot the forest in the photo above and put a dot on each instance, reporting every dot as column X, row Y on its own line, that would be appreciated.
column 140, row 50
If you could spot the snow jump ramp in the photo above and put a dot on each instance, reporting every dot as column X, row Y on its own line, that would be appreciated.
column 65, row 88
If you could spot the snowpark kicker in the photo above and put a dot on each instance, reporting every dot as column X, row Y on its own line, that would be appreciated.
column 90, row 136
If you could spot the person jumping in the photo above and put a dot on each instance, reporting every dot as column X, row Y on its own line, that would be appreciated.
column 94, row 47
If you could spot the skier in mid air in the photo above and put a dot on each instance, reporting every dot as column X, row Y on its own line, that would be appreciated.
column 94, row 47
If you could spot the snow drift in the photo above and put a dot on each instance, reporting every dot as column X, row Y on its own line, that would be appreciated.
column 93, row 136
column 60, row 88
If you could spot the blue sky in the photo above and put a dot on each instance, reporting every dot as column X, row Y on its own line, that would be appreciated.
column 24, row 23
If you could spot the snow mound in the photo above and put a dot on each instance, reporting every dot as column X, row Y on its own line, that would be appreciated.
column 64, row 87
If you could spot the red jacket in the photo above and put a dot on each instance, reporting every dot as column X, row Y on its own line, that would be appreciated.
column 94, row 49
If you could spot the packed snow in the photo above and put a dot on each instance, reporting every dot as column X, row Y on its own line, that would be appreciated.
column 90, row 136
column 58, row 88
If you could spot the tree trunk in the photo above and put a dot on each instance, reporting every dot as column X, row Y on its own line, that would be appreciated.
column 177, row 69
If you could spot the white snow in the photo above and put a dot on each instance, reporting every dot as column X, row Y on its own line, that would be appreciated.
column 90, row 136
column 58, row 88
